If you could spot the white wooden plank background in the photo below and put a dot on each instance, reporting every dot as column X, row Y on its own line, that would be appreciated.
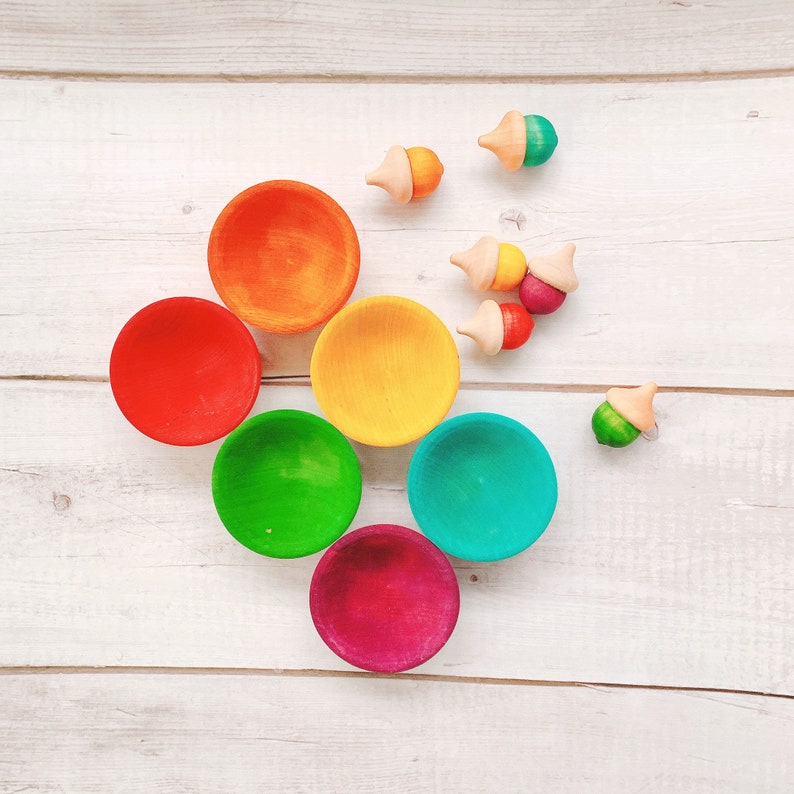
column 242, row 733
column 645, row 642
column 511, row 38
column 679, row 198
column 659, row 557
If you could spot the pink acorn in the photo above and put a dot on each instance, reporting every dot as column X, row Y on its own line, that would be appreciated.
column 549, row 280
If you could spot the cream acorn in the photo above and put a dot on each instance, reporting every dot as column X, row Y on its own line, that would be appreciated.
column 521, row 140
column 407, row 173
column 498, row 326
column 549, row 280
column 624, row 415
column 490, row 264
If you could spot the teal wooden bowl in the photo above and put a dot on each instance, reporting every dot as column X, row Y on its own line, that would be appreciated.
column 482, row 487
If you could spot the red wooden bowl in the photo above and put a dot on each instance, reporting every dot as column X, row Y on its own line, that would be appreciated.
column 283, row 256
column 185, row 371
column 384, row 598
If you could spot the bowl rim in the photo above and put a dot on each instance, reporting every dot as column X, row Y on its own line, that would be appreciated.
column 344, row 283
column 438, row 560
column 152, row 313
column 428, row 446
column 307, row 419
column 449, row 385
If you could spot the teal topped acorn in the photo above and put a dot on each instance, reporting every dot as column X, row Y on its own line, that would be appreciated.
column 624, row 415
column 521, row 140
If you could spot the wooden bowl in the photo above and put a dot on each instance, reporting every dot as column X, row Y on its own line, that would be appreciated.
column 385, row 370
column 482, row 487
column 286, row 483
column 384, row 598
column 283, row 256
column 185, row 371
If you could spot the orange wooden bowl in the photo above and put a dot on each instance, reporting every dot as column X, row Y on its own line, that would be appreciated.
column 283, row 256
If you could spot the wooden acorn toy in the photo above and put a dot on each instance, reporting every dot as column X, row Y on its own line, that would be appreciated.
column 549, row 280
column 490, row 264
column 624, row 415
column 498, row 326
column 521, row 140
column 407, row 174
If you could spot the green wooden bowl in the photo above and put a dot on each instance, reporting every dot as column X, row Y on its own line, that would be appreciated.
column 286, row 483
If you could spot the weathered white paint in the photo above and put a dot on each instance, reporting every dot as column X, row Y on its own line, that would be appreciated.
column 98, row 732
column 666, row 563
column 450, row 38
column 677, row 197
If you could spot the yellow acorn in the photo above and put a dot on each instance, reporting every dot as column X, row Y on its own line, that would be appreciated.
column 490, row 264
column 407, row 173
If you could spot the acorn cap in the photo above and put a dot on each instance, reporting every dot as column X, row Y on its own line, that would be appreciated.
column 394, row 175
column 635, row 405
column 479, row 262
column 486, row 327
column 508, row 141
column 556, row 269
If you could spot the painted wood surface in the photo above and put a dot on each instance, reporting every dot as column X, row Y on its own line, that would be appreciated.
column 443, row 39
column 667, row 563
column 678, row 197
column 142, row 648
column 251, row 733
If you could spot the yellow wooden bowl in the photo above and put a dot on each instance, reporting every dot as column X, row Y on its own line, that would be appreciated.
column 385, row 370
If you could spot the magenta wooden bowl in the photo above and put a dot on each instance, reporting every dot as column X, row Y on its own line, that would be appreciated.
column 384, row 598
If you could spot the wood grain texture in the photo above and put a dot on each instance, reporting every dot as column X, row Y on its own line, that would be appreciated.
column 667, row 563
column 221, row 733
column 444, row 39
column 125, row 129
column 678, row 197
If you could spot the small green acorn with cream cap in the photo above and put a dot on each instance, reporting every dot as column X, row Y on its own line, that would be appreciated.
column 624, row 415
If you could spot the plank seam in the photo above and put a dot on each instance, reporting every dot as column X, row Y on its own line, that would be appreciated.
column 320, row 673
column 363, row 77
column 569, row 388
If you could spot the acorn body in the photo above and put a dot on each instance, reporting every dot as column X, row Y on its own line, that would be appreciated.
column 498, row 326
column 518, row 325
column 611, row 429
column 407, row 174
column 549, row 280
column 539, row 297
column 490, row 264
column 426, row 170
column 521, row 140
column 624, row 415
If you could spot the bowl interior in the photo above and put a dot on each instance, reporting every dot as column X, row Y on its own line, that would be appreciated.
column 384, row 598
column 385, row 370
column 286, row 483
column 283, row 256
column 482, row 487
column 185, row 371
